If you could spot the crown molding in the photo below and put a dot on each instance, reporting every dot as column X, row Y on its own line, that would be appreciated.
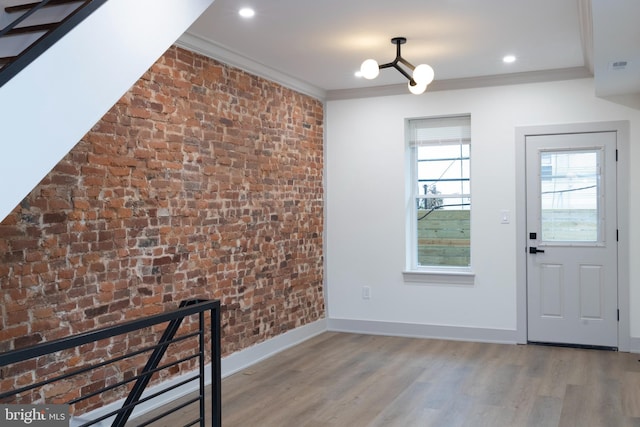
column 466, row 83
column 220, row 53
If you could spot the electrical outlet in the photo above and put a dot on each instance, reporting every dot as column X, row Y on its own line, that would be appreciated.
column 366, row 292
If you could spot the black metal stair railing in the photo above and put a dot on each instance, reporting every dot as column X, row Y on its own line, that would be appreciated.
column 121, row 416
column 47, row 33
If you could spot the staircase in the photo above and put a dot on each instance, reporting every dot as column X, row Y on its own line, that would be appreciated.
column 57, row 90
column 34, row 27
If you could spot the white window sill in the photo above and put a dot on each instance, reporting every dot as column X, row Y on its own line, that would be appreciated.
column 441, row 277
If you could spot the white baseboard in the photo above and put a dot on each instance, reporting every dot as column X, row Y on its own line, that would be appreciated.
column 229, row 365
column 249, row 356
column 456, row 333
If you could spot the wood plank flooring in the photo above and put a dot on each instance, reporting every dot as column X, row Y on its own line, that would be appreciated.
column 351, row 380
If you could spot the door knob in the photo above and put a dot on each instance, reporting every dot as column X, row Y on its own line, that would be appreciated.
column 533, row 250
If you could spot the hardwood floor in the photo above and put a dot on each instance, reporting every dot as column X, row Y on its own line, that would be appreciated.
column 351, row 380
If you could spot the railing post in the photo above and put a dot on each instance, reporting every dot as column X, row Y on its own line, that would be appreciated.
column 216, row 383
column 201, row 366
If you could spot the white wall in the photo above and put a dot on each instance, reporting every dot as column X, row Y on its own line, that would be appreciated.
column 49, row 106
column 366, row 206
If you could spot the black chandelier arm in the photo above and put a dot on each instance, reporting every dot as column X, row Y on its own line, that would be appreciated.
column 405, row 62
column 404, row 73
column 395, row 65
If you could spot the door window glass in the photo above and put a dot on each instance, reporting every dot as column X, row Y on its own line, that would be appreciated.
column 570, row 196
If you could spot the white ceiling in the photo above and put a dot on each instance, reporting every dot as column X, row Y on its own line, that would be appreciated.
column 316, row 45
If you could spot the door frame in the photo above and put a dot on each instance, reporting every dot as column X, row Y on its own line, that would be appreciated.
column 622, row 138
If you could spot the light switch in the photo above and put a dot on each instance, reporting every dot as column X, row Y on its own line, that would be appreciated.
column 505, row 216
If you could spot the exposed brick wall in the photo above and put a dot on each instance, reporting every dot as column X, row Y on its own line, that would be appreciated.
column 202, row 181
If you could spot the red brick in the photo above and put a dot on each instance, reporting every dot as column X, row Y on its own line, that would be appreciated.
column 202, row 181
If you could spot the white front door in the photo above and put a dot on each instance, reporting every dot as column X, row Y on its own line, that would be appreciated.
column 572, row 280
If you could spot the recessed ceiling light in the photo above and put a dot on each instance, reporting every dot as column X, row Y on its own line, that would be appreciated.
column 509, row 59
column 247, row 12
column 358, row 73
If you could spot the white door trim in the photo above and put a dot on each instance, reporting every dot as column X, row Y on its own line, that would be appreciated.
column 622, row 130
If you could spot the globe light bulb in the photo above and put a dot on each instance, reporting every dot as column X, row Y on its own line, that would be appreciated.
column 423, row 74
column 247, row 12
column 370, row 69
column 417, row 89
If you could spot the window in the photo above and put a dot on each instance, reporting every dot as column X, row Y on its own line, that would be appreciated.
column 570, row 196
column 439, row 189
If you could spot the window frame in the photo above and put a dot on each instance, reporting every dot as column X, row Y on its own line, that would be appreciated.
column 414, row 273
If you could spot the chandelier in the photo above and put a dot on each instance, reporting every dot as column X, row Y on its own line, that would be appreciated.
column 419, row 79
